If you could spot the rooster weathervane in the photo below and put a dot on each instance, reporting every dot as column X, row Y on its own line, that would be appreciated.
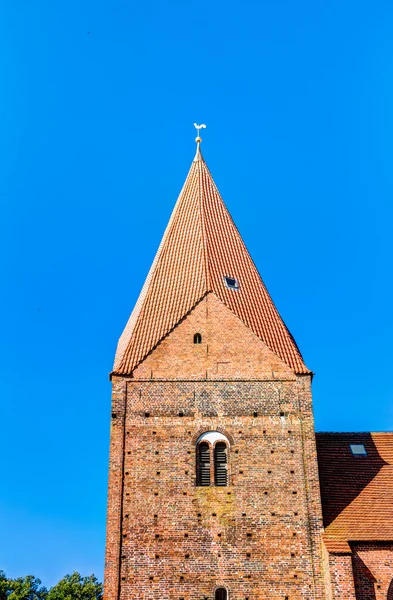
column 198, row 139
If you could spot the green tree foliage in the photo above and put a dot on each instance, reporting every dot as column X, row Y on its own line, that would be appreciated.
column 4, row 586
column 71, row 587
column 21, row 588
column 76, row 587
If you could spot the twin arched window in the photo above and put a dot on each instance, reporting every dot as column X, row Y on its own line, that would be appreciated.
column 212, row 459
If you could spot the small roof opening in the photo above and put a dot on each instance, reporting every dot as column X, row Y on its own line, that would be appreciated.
column 358, row 449
column 231, row 283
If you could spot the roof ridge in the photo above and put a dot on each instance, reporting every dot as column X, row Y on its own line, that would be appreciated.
column 353, row 432
column 203, row 224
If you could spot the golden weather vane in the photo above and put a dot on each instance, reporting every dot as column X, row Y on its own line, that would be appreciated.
column 198, row 139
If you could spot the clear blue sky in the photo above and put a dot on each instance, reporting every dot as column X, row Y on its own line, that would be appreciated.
column 97, row 108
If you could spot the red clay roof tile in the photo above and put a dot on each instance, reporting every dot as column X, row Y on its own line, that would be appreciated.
column 356, row 491
column 201, row 245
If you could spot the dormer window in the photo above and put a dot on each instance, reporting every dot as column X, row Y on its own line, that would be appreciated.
column 358, row 449
column 231, row 283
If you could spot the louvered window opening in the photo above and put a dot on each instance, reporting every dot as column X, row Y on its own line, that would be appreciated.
column 220, row 464
column 203, row 464
column 221, row 594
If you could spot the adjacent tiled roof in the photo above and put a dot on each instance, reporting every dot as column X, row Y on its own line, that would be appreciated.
column 356, row 491
column 201, row 245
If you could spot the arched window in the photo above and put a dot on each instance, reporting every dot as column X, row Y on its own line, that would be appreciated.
column 212, row 451
column 221, row 594
column 390, row 591
column 197, row 338
column 203, row 464
column 220, row 464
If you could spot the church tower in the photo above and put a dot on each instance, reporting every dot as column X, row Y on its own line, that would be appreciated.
column 213, row 481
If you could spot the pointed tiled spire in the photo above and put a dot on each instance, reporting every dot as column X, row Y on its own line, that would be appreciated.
column 200, row 248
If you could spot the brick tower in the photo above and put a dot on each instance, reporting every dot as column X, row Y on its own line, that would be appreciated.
column 213, row 482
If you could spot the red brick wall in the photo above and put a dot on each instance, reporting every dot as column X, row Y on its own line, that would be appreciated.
column 115, row 489
column 228, row 350
column 341, row 574
column 373, row 570
column 364, row 574
column 261, row 535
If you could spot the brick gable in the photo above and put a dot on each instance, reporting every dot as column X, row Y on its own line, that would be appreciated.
column 229, row 349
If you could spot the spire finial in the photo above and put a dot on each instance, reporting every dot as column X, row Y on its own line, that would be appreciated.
column 198, row 140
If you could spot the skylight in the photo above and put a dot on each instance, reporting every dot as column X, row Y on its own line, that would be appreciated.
column 231, row 283
column 358, row 449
